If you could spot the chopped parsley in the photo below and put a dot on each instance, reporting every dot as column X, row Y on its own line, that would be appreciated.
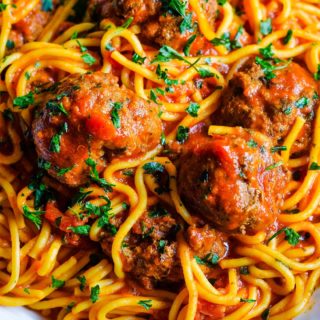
column 157, row 211
column 3, row 7
column 62, row 171
column 23, row 102
column 116, row 106
column 56, row 108
column 302, row 102
column 226, row 41
column 47, row 5
column 26, row 290
column 88, row 59
column 267, row 52
column 83, row 282
column 278, row 148
column 222, row 2
column 127, row 23
column 275, row 165
column 247, row 300
column 146, row 304
column 193, row 109
column 10, row 44
column 94, row 293
column 82, row 230
column 267, row 68
column 33, row 216
column 161, row 245
column 210, row 260
column 252, row 144
column 266, row 27
column 288, row 37
column 291, row 236
column 82, row 47
column 138, row 59
column 56, row 283
column 74, row 35
column 186, row 24
column 182, row 134
column 94, row 176
column 175, row 7
column 153, row 167
column 80, row 196
column 314, row 166
column 186, row 49
column 317, row 74
column 55, row 143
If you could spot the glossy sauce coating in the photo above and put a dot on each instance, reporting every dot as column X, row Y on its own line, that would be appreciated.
column 101, row 121
column 270, row 107
column 232, row 181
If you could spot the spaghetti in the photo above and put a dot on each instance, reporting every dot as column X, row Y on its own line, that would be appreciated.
column 58, row 269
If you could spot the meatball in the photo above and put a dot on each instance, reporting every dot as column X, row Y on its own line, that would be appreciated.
column 270, row 107
column 150, row 251
column 90, row 116
column 162, row 22
column 232, row 181
column 30, row 27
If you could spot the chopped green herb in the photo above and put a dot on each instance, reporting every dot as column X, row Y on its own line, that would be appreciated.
column 186, row 49
column 182, row 134
column 138, row 59
column 161, row 245
column 80, row 196
column 302, row 102
column 147, row 304
column 157, row 211
column 56, row 108
column 27, row 75
column 290, row 235
column 24, row 102
column 47, row 5
column 3, row 7
column 82, row 230
column 109, row 47
column 317, row 74
column 193, row 109
column 26, row 290
column 74, row 35
column 88, row 59
column 10, row 44
column 94, row 176
column 56, row 139
column 163, row 139
column 210, row 260
column 266, row 27
column 252, row 144
column 175, row 7
column 94, row 293
column 153, row 167
column 186, row 24
column 70, row 306
column 127, row 23
column 278, row 148
column 83, row 282
column 221, row 2
column 247, row 300
column 128, row 172
column 275, row 165
column 62, row 171
column 33, row 216
column 288, row 37
column 56, row 283
column 116, row 106
column 82, row 48
column 314, row 166
column 267, row 52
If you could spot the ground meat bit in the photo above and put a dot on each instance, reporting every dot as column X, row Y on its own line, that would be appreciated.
column 270, row 107
column 30, row 27
column 161, row 24
column 150, row 251
column 232, row 181
column 91, row 116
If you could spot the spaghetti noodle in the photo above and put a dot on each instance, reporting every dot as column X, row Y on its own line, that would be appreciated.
column 56, row 267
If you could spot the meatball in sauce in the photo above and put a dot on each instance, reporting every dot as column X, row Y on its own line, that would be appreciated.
column 161, row 22
column 91, row 116
column 270, row 106
column 233, row 181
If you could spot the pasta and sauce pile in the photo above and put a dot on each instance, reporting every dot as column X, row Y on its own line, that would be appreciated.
column 160, row 159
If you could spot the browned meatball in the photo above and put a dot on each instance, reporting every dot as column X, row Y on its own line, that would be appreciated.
column 90, row 116
column 31, row 26
column 162, row 22
column 270, row 107
column 232, row 181
column 150, row 251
